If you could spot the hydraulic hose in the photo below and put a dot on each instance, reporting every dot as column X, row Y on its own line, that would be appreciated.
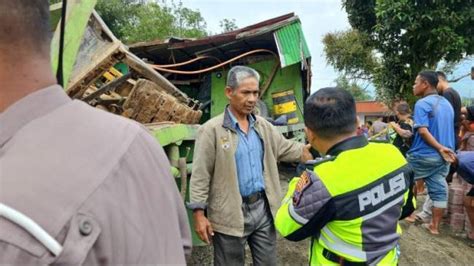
column 189, row 61
column 157, row 67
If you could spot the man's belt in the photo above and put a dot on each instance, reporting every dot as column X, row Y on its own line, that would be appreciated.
column 329, row 255
column 252, row 198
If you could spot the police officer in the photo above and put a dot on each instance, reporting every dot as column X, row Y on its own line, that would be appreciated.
column 77, row 185
column 349, row 202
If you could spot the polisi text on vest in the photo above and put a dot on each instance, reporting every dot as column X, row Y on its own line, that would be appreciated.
column 377, row 194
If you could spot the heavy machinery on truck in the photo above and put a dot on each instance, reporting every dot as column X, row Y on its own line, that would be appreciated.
column 172, row 86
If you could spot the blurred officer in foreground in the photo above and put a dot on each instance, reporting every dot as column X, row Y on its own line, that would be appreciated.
column 77, row 185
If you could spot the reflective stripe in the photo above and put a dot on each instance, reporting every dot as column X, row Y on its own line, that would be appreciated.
column 285, row 201
column 384, row 208
column 338, row 245
column 295, row 216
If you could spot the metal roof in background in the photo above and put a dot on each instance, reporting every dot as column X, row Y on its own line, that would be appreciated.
column 178, row 43
column 230, row 44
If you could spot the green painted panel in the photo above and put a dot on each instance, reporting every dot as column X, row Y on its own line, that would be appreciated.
column 218, row 98
column 175, row 133
column 78, row 14
column 122, row 67
column 196, row 240
column 291, row 44
column 288, row 78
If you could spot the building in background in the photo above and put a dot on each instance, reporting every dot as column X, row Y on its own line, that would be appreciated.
column 371, row 110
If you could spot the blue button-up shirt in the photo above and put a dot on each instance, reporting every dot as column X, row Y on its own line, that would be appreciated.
column 249, row 158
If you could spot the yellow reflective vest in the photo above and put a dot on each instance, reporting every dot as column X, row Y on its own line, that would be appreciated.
column 349, row 203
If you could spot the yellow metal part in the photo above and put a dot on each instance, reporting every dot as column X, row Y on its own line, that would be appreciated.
column 284, row 108
column 282, row 94
column 115, row 72
column 284, row 103
column 292, row 121
column 112, row 74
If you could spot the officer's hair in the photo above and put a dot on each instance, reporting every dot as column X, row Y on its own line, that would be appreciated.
column 441, row 75
column 429, row 76
column 238, row 73
column 330, row 112
column 25, row 24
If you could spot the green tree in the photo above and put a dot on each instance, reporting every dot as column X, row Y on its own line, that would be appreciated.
column 465, row 101
column 139, row 20
column 359, row 93
column 402, row 37
column 348, row 52
column 228, row 25
column 149, row 22
column 119, row 15
column 188, row 22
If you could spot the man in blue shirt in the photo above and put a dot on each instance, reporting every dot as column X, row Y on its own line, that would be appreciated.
column 433, row 144
column 248, row 158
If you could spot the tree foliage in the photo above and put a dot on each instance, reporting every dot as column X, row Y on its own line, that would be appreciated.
column 402, row 38
column 347, row 52
column 138, row 20
column 145, row 20
column 228, row 25
column 465, row 101
column 362, row 15
column 359, row 93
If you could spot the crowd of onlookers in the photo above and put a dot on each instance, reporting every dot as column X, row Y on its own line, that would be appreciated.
column 438, row 142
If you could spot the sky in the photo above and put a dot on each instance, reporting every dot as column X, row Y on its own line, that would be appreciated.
column 318, row 17
column 465, row 86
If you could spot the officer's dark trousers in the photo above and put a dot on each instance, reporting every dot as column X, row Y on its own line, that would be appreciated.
column 259, row 233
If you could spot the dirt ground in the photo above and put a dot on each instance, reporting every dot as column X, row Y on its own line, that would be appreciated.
column 417, row 246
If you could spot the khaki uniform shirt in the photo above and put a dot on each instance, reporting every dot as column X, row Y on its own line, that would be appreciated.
column 99, row 184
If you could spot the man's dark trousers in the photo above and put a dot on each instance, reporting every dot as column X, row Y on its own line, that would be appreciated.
column 259, row 233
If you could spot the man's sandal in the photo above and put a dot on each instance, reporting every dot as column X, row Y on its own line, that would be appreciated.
column 411, row 218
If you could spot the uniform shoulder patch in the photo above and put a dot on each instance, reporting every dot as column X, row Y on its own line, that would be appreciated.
column 306, row 179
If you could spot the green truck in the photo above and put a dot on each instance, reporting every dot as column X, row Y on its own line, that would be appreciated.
column 172, row 86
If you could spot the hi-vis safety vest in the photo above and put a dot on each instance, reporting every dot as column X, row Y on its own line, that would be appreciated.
column 350, row 203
